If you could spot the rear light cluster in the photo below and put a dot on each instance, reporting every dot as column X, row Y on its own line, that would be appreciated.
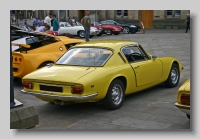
column 16, row 59
column 27, row 84
column 185, row 99
column 77, row 89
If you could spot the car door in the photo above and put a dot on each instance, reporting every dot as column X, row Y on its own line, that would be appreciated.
column 146, row 69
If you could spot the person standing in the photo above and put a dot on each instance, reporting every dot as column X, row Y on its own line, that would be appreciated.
column 86, row 21
column 55, row 23
column 25, row 23
column 187, row 21
column 35, row 22
column 47, row 20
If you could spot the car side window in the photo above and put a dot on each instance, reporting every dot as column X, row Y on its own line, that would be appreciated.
column 61, row 25
column 133, row 53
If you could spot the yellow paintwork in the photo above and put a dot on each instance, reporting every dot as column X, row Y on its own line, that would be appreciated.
column 184, row 89
column 34, row 58
column 98, row 79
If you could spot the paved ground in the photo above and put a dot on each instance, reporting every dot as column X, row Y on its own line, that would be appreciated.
column 150, row 109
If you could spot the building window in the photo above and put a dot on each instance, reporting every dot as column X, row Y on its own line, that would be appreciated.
column 119, row 12
column 125, row 12
column 173, row 13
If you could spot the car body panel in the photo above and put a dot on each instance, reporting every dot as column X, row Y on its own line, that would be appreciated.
column 184, row 89
column 97, row 79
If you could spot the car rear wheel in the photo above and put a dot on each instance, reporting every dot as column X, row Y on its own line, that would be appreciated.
column 188, row 116
column 126, row 30
column 81, row 34
column 115, row 95
column 108, row 32
column 173, row 77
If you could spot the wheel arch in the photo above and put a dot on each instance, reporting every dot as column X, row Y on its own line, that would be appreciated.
column 49, row 61
column 122, row 79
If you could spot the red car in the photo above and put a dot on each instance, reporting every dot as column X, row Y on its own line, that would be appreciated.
column 108, row 29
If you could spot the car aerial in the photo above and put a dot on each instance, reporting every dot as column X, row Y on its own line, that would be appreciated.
column 36, row 50
column 108, row 29
column 75, row 30
column 183, row 98
column 101, row 71
column 127, row 28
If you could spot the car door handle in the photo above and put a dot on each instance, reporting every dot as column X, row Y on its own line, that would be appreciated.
column 136, row 67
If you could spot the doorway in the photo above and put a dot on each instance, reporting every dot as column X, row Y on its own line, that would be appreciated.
column 147, row 18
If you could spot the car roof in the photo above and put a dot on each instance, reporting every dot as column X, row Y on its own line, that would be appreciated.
column 110, row 44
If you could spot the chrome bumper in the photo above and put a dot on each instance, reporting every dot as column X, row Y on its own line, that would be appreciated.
column 51, row 96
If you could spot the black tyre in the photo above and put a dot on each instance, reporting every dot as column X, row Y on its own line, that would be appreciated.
column 91, row 36
column 115, row 95
column 99, row 34
column 188, row 116
column 81, row 34
column 108, row 32
column 173, row 78
column 126, row 30
column 44, row 64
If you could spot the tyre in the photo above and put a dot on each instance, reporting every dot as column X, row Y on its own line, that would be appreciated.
column 115, row 95
column 108, row 32
column 173, row 78
column 91, row 36
column 126, row 30
column 99, row 34
column 188, row 116
column 44, row 64
column 81, row 34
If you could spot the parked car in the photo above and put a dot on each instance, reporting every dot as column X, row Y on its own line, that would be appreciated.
column 76, row 30
column 183, row 98
column 108, row 29
column 127, row 28
column 37, row 50
column 101, row 70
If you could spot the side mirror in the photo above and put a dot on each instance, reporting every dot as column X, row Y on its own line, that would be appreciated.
column 154, row 57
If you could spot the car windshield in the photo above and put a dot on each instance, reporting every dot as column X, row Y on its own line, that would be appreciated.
column 85, row 57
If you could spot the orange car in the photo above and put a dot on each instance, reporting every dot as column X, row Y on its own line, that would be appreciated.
column 37, row 50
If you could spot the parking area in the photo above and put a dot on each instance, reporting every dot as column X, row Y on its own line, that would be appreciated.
column 150, row 109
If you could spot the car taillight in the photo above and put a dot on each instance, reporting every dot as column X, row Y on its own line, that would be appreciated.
column 77, row 89
column 185, row 99
column 20, row 59
column 15, row 59
column 27, row 84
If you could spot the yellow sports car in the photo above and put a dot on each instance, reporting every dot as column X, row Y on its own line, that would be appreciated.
column 101, row 70
column 36, row 50
column 183, row 98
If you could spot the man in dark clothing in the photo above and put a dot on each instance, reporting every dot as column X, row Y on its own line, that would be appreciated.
column 86, row 21
column 187, row 21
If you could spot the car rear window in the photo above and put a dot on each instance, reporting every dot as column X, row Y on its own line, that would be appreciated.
column 85, row 57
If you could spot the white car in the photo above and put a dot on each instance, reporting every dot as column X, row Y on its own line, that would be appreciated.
column 76, row 30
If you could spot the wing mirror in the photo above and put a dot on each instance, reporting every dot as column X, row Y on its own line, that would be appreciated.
column 154, row 57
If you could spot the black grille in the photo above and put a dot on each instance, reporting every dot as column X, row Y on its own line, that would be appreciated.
column 51, row 88
column 15, row 69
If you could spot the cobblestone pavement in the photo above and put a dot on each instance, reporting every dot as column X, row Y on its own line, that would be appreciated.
column 150, row 109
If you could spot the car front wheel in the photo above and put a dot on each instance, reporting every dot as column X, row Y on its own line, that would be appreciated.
column 115, row 95
column 188, row 116
column 173, row 77
column 108, row 32
column 81, row 34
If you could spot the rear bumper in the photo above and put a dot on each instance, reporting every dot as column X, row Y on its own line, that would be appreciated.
column 63, row 98
column 184, row 108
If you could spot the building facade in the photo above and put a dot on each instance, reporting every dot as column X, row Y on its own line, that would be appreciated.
column 161, row 19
